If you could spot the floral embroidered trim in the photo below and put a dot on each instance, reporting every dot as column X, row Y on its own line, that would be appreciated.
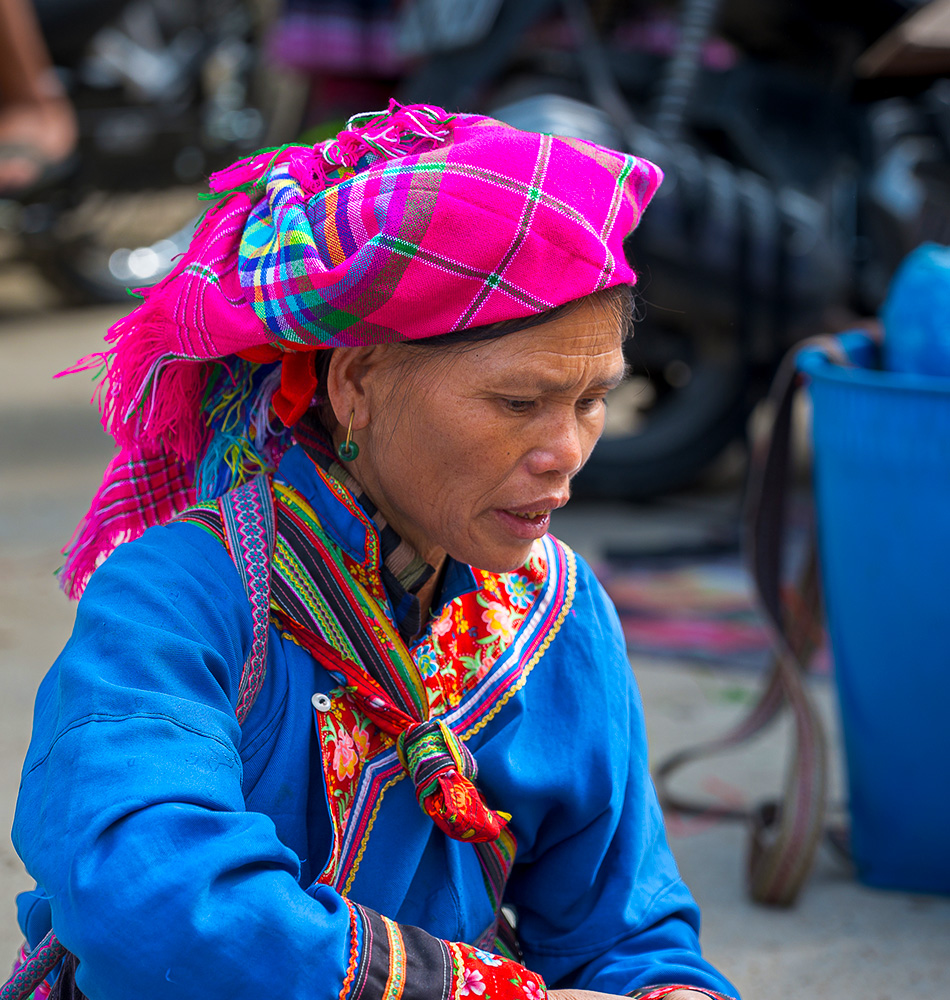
column 474, row 630
column 347, row 740
column 483, row 975
column 473, row 714
column 549, row 633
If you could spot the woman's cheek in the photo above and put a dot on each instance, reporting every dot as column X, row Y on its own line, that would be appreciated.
column 592, row 429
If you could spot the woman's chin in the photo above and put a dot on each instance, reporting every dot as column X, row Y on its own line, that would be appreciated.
column 498, row 552
column 489, row 565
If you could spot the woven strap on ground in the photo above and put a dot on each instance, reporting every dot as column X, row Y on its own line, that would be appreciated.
column 784, row 835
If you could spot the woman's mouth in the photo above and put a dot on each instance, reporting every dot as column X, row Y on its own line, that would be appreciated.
column 526, row 524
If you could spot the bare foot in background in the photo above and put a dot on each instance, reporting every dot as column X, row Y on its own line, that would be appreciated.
column 37, row 123
column 34, row 137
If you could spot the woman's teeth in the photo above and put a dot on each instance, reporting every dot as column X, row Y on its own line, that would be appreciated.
column 530, row 515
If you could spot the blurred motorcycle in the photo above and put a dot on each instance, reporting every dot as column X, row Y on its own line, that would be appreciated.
column 165, row 91
column 793, row 186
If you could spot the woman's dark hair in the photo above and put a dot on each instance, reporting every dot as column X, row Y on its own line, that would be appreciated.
column 617, row 300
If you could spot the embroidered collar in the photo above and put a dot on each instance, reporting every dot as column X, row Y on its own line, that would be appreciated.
column 402, row 569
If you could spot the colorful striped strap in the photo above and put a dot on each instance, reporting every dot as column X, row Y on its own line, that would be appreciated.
column 247, row 515
column 40, row 963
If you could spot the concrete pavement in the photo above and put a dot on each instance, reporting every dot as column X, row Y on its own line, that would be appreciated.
column 841, row 940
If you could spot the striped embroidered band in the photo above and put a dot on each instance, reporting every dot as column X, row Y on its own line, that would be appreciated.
column 399, row 962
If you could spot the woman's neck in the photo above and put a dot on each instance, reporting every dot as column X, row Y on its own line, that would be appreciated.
column 426, row 593
column 434, row 557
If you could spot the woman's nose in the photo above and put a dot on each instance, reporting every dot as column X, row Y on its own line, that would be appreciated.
column 559, row 447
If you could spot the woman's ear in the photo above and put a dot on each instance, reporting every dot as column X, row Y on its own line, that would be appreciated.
column 351, row 381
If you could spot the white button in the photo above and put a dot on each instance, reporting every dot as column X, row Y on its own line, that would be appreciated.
column 321, row 702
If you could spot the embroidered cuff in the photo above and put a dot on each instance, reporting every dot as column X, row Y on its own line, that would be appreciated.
column 658, row 992
column 390, row 961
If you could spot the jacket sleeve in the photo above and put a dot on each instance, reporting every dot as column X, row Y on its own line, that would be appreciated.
column 600, row 901
column 131, row 815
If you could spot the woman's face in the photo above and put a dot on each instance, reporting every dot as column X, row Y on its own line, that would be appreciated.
column 468, row 452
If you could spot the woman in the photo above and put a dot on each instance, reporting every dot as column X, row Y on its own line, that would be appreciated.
column 253, row 769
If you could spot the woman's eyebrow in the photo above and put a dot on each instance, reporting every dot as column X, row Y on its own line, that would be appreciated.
column 515, row 383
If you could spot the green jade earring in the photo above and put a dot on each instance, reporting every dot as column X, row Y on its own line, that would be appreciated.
column 349, row 449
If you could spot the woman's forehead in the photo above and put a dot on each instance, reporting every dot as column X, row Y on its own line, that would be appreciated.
column 553, row 357
column 588, row 333
column 581, row 347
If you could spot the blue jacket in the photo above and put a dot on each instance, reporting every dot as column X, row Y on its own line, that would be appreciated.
column 176, row 852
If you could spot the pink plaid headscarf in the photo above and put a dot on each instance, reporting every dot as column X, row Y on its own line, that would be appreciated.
column 408, row 224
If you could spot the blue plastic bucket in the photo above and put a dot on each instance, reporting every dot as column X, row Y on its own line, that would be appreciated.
column 882, row 493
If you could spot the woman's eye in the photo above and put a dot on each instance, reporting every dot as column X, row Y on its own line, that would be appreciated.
column 519, row 405
column 590, row 404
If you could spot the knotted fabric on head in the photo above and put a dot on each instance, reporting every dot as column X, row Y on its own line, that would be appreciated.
column 410, row 223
